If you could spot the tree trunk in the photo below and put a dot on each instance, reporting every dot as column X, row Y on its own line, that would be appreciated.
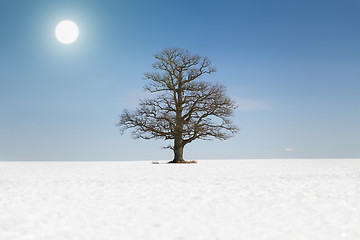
column 178, row 155
column 179, row 124
column 178, row 151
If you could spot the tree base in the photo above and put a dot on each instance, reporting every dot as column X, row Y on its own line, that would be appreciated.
column 183, row 161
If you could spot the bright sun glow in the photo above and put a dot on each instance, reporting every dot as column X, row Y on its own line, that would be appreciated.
column 67, row 32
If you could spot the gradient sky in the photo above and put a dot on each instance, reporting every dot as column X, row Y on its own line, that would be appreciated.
column 292, row 65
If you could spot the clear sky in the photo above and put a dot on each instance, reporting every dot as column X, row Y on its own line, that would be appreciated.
column 292, row 65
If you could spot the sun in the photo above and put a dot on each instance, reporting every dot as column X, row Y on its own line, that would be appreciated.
column 67, row 32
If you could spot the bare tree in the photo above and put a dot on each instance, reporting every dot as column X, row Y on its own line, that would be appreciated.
column 184, row 107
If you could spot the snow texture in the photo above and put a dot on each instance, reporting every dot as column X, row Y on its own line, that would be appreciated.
column 227, row 199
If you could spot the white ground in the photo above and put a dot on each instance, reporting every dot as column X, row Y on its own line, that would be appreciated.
column 238, row 199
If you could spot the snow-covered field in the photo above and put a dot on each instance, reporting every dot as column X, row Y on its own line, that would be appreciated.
column 227, row 199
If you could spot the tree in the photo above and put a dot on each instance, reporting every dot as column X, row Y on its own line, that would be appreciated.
column 184, row 107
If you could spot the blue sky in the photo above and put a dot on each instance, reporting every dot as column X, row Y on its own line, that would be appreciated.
column 293, row 67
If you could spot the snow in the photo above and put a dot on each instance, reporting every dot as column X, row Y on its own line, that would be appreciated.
column 214, row 199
